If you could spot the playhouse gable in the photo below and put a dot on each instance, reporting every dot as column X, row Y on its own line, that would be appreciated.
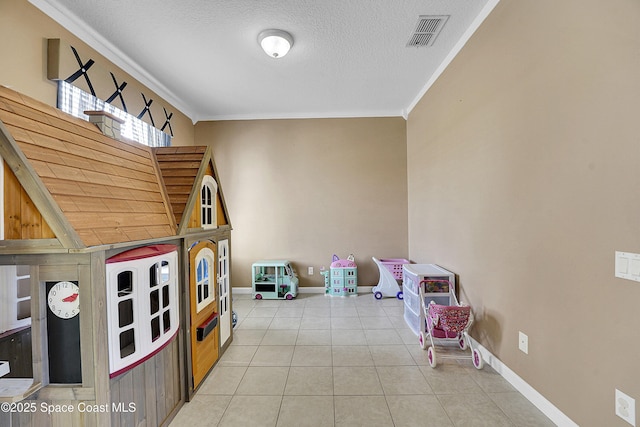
column 193, row 188
column 90, row 189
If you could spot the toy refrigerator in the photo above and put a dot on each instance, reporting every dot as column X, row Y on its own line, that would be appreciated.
column 437, row 284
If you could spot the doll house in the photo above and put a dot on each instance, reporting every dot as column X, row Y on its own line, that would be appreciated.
column 115, row 261
column 342, row 277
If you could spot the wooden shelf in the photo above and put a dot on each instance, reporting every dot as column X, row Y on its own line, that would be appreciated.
column 16, row 389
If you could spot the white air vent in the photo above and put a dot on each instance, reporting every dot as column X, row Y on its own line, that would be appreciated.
column 427, row 29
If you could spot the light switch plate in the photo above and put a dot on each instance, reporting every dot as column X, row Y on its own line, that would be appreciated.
column 523, row 342
column 627, row 266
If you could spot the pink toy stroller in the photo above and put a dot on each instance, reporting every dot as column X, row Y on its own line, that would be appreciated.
column 447, row 323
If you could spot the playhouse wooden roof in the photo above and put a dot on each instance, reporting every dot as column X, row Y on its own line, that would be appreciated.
column 91, row 189
column 182, row 169
column 179, row 167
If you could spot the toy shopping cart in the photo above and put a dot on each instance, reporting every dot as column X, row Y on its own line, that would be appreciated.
column 390, row 272
column 446, row 323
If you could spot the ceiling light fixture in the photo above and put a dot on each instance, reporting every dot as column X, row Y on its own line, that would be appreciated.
column 275, row 43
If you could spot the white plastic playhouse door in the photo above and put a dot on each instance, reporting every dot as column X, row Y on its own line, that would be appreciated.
column 223, row 284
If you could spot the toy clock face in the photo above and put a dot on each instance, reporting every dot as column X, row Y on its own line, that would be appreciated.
column 63, row 300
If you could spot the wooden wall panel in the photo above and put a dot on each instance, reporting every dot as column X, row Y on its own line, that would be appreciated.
column 100, row 329
column 221, row 217
column 194, row 221
column 161, row 391
column 139, row 397
column 12, row 192
column 150, row 397
column 154, row 388
column 30, row 218
column 22, row 218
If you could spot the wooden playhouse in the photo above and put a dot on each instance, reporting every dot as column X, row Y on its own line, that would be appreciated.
column 114, row 259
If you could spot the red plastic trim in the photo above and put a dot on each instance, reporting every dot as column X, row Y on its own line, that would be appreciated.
column 142, row 253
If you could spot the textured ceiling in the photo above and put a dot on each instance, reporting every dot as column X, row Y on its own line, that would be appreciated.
column 349, row 58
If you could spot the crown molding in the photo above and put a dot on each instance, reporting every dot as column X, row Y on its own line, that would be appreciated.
column 306, row 115
column 484, row 13
column 73, row 24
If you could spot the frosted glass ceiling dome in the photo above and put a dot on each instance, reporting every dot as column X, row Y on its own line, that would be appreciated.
column 275, row 43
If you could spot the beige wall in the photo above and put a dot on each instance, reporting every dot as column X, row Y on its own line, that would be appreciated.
column 524, row 178
column 340, row 184
column 24, row 31
column 306, row 189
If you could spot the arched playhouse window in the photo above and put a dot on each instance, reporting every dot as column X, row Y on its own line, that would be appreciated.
column 208, row 202
column 205, row 291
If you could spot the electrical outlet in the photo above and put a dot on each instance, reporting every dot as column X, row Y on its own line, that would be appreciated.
column 310, row 271
column 626, row 407
column 523, row 342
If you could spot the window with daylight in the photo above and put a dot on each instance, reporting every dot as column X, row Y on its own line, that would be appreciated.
column 204, row 279
column 142, row 304
column 75, row 101
column 208, row 202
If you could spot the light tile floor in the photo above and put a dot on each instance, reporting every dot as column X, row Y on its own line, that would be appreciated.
column 344, row 362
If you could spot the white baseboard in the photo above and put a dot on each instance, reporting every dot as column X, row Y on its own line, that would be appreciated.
column 531, row 394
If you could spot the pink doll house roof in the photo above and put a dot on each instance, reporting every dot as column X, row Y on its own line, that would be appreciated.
column 343, row 263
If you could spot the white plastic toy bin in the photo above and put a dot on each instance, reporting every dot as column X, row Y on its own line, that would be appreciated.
column 437, row 290
column 412, row 320
column 411, row 300
column 410, row 283
column 438, row 285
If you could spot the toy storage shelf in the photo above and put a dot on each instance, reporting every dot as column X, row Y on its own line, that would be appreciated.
column 435, row 282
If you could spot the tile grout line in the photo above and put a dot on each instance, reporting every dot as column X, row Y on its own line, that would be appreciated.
column 406, row 346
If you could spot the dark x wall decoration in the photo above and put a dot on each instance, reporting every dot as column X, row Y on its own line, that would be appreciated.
column 65, row 62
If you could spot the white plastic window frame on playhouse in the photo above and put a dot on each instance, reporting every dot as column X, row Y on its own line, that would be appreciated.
column 15, row 297
column 205, row 291
column 208, row 202
column 142, row 308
